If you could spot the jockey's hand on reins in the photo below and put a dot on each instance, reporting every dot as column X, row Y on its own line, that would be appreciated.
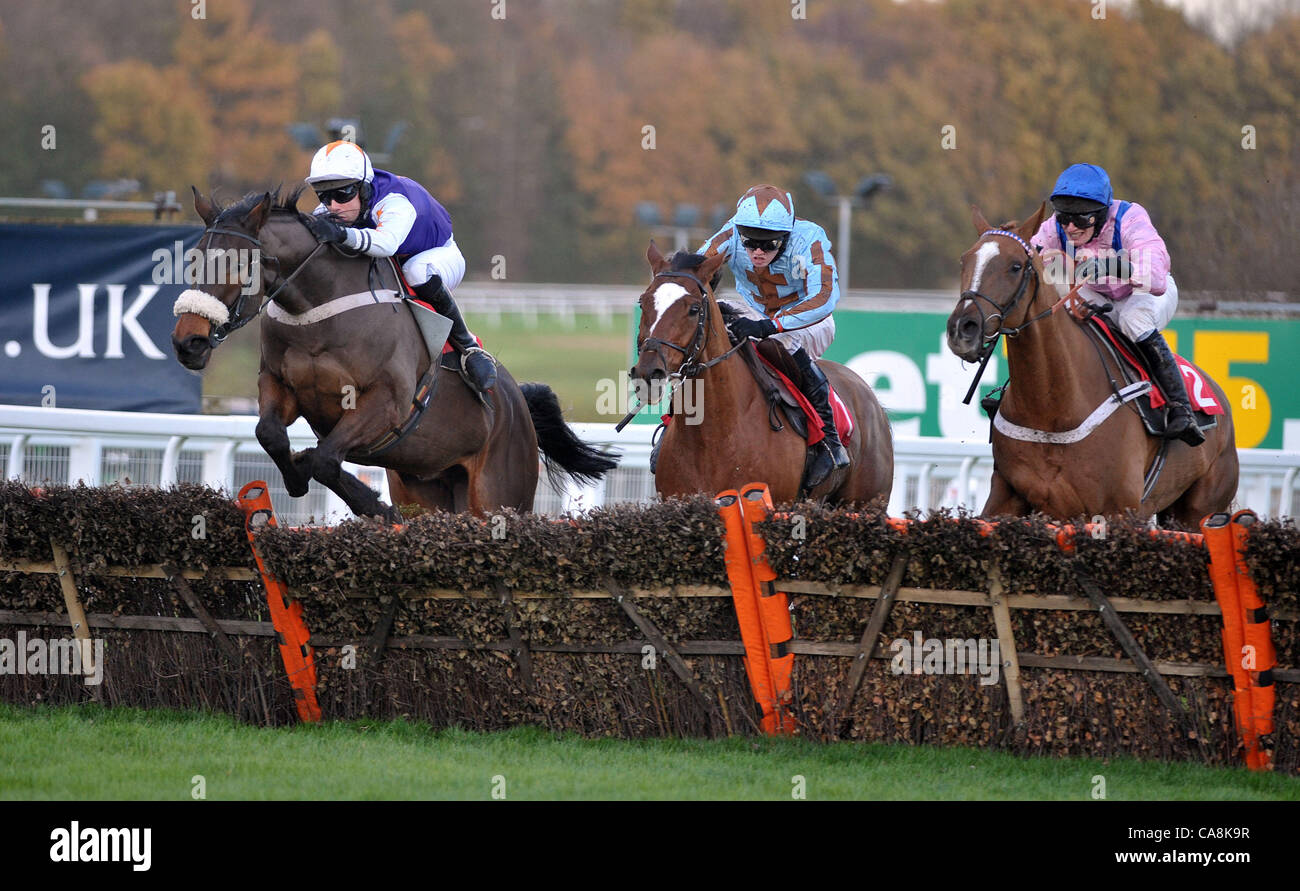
column 742, row 328
column 326, row 230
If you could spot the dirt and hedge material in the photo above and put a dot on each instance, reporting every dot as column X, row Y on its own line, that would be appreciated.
column 340, row 573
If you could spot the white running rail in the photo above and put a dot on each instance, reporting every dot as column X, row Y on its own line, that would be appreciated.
column 56, row 445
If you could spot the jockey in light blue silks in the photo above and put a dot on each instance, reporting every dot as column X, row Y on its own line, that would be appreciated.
column 787, row 280
column 386, row 215
column 1096, row 229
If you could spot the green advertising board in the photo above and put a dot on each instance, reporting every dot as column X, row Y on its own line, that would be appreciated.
column 905, row 358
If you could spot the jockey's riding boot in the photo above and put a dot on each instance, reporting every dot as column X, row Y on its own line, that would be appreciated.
column 1180, row 423
column 818, row 390
column 477, row 367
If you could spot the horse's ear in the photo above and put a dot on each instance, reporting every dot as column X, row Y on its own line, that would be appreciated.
column 256, row 217
column 977, row 217
column 1030, row 226
column 710, row 267
column 656, row 259
column 203, row 207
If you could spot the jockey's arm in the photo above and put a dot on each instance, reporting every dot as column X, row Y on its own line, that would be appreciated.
column 394, row 216
column 1147, row 252
column 819, row 287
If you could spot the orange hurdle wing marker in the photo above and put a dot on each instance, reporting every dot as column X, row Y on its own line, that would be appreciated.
column 286, row 614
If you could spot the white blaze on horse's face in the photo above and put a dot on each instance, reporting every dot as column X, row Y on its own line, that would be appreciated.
column 988, row 250
column 664, row 297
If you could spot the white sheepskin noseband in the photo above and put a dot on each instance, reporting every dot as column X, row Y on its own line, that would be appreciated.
column 202, row 304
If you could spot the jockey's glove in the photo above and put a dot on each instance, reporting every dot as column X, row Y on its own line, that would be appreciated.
column 742, row 327
column 326, row 230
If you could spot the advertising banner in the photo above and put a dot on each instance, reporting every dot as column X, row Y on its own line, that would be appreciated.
column 86, row 317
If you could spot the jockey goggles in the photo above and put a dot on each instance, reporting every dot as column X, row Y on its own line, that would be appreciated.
column 1081, row 221
column 343, row 194
column 760, row 244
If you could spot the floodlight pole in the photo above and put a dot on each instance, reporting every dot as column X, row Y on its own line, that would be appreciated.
column 842, row 247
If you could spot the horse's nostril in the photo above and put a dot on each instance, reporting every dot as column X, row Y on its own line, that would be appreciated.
column 969, row 328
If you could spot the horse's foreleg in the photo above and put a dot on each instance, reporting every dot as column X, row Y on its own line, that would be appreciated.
column 1003, row 501
column 325, row 464
column 277, row 408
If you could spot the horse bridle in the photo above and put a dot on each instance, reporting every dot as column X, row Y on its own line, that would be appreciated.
column 1000, row 312
column 690, row 367
column 220, row 332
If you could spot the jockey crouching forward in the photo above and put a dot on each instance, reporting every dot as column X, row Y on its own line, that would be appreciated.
column 388, row 215
column 1104, row 237
column 789, row 286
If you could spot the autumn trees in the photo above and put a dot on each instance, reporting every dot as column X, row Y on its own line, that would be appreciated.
column 542, row 129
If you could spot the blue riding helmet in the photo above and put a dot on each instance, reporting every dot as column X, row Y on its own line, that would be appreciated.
column 1083, row 181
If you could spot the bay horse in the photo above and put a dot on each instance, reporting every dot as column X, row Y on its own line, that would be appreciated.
column 354, row 375
column 730, row 442
column 1057, row 379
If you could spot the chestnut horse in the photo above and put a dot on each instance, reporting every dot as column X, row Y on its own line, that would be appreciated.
column 730, row 443
column 353, row 375
column 1057, row 380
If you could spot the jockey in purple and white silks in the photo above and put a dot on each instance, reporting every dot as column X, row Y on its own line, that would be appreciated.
column 787, row 280
column 1116, row 248
column 387, row 215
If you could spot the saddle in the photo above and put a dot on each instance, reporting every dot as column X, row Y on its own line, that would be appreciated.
column 773, row 371
column 781, row 384
column 1151, row 405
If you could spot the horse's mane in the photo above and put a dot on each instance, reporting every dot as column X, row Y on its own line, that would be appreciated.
column 682, row 260
column 281, row 202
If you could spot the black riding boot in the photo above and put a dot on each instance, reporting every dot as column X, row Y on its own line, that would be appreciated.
column 1181, row 423
column 478, row 368
column 818, row 390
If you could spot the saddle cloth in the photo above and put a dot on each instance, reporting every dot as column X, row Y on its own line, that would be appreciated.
column 410, row 295
column 1151, row 405
column 840, row 412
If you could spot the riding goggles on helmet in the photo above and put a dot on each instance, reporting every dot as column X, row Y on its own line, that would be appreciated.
column 760, row 244
column 342, row 195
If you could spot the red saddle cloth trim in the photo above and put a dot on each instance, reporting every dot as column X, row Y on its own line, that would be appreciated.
column 1196, row 385
column 816, row 433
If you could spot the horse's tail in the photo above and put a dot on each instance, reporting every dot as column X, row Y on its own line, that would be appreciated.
column 561, row 449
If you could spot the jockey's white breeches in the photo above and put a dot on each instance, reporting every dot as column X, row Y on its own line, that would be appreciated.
column 446, row 262
column 1140, row 313
column 816, row 339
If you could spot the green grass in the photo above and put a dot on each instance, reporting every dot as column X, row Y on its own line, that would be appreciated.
column 88, row 752
column 570, row 359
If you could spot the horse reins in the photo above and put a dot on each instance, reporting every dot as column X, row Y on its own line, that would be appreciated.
column 220, row 332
